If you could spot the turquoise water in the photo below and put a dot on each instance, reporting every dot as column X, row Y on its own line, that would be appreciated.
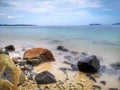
column 101, row 40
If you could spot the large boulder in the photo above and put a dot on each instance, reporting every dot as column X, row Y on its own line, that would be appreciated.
column 9, row 72
column 45, row 78
column 10, row 48
column 36, row 56
column 89, row 64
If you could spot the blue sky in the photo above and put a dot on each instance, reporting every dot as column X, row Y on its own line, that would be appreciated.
column 59, row 12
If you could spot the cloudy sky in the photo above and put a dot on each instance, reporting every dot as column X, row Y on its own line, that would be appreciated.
column 59, row 12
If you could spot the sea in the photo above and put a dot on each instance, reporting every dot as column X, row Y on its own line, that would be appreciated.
column 100, row 40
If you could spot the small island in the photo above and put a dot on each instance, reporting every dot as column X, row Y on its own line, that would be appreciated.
column 17, row 25
column 94, row 24
column 116, row 24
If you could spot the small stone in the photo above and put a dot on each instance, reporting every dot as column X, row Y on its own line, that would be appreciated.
column 10, row 48
column 103, row 82
column 96, row 87
column 61, row 48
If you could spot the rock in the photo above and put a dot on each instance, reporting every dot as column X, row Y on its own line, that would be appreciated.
column 74, row 52
column 36, row 56
column 64, row 69
column 89, row 64
column 61, row 48
column 96, row 87
column 9, row 72
column 91, row 77
column 68, row 57
column 83, row 53
column 10, row 48
column 116, row 65
column 45, row 78
column 103, row 82
column 119, row 78
column 6, row 85
column 74, row 67
column 113, row 88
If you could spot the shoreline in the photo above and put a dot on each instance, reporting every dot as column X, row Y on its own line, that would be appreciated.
column 74, row 78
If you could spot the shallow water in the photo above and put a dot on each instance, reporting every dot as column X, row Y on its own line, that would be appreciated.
column 103, row 41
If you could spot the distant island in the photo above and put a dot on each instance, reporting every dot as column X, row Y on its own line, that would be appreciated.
column 116, row 24
column 94, row 24
column 17, row 25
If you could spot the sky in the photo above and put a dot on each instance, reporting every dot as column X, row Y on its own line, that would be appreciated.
column 59, row 12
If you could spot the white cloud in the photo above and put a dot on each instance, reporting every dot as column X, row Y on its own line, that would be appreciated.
column 2, row 15
column 10, row 17
column 47, row 6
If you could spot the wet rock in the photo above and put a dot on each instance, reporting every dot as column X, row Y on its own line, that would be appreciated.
column 36, row 56
column 96, row 87
column 61, row 48
column 116, row 65
column 67, row 62
column 91, row 77
column 113, row 88
column 28, row 67
column 103, row 82
column 10, row 48
column 89, row 64
column 9, row 71
column 84, row 53
column 45, row 78
column 22, row 62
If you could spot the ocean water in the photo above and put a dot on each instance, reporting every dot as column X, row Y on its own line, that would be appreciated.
column 101, row 40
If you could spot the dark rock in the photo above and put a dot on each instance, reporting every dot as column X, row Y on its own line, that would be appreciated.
column 91, row 77
column 96, row 87
column 67, row 62
column 113, row 88
column 103, row 82
column 30, row 77
column 89, row 64
column 36, row 56
column 22, row 62
column 116, row 65
column 102, row 68
column 83, row 53
column 61, row 48
column 10, row 48
column 28, row 67
column 74, row 52
column 45, row 78
column 6, row 52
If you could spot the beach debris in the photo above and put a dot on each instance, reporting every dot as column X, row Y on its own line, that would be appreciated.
column 96, row 87
column 61, row 48
column 116, row 65
column 45, row 77
column 89, row 64
column 91, row 77
column 103, row 82
column 10, row 48
column 36, row 56
column 113, row 88
column 10, row 74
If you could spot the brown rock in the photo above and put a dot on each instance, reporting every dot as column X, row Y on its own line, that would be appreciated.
column 9, row 72
column 36, row 56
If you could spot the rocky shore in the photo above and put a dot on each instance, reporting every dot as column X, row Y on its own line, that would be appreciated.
column 38, row 68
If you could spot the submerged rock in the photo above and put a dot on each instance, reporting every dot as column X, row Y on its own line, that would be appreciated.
column 45, row 78
column 10, row 48
column 89, row 64
column 61, row 48
column 36, row 56
column 116, row 65
column 9, row 72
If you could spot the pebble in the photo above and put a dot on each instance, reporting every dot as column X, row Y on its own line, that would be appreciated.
column 103, row 82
